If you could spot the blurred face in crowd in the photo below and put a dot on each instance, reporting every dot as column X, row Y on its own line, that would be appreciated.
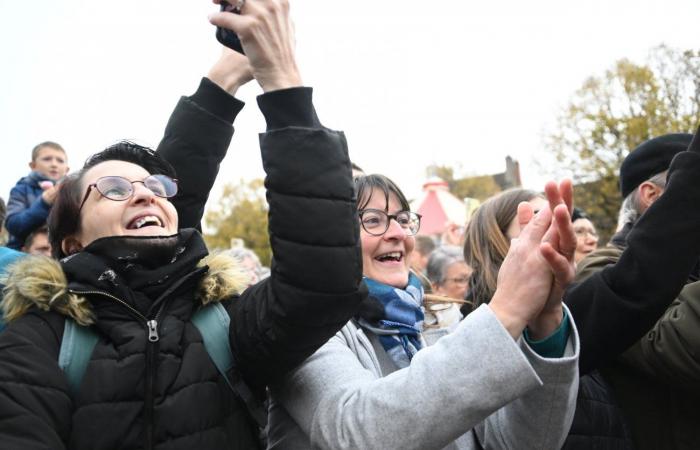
column 418, row 261
column 252, row 268
column 513, row 230
column 39, row 245
column 51, row 163
column 385, row 258
column 143, row 214
column 455, row 281
column 586, row 238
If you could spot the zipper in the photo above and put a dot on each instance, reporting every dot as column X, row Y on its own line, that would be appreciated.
column 153, row 338
column 151, row 353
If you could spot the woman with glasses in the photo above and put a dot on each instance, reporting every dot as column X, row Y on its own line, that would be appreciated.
column 448, row 273
column 128, row 272
column 377, row 385
column 586, row 235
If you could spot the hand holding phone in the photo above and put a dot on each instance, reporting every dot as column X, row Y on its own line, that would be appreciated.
column 226, row 36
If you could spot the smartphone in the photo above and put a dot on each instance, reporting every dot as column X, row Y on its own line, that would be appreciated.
column 226, row 36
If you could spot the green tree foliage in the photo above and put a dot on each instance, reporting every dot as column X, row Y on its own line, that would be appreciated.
column 479, row 187
column 613, row 113
column 241, row 213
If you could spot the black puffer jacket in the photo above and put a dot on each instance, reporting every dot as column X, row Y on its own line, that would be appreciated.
column 598, row 422
column 168, row 394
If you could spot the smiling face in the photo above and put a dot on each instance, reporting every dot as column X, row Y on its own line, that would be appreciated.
column 144, row 214
column 385, row 258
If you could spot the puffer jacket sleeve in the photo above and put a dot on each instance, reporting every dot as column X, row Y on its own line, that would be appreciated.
column 315, row 283
column 195, row 142
column 24, row 217
column 35, row 407
column 617, row 305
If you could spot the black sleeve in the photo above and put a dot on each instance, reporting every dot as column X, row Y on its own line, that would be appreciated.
column 315, row 283
column 615, row 307
column 35, row 407
column 195, row 142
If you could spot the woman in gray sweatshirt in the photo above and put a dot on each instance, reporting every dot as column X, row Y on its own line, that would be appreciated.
column 505, row 378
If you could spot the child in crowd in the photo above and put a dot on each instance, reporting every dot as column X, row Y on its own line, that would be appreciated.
column 31, row 198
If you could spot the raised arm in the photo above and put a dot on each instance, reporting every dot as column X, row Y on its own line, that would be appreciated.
column 314, row 287
column 199, row 133
column 614, row 307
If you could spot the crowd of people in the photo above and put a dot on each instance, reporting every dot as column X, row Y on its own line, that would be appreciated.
column 519, row 331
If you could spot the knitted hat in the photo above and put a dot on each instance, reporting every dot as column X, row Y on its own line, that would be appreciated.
column 649, row 158
column 578, row 213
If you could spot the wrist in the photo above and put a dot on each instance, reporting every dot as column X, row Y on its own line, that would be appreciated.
column 546, row 323
column 278, row 81
column 513, row 323
column 228, row 82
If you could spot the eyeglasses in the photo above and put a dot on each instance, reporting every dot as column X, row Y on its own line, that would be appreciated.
column 120, row 189
column 376, row 221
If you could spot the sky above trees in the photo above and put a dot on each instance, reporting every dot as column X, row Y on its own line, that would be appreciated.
column 412, row 83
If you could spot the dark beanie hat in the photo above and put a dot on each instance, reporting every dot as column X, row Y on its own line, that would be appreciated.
column 649, row 158
column 578, row 213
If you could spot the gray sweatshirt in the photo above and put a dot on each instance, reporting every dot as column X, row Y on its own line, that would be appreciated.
column 345, row 396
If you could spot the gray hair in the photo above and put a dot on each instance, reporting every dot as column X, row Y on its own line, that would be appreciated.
column 631, row 207
column 440, row 259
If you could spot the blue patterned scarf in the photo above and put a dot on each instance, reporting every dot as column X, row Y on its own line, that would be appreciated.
column 396, row 317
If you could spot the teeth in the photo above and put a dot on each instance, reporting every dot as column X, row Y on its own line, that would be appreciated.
column 392, row 255
column 146, row 219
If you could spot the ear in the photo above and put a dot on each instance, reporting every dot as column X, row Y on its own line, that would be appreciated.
column 71, row 245
column 649, row 193
column 32, row 165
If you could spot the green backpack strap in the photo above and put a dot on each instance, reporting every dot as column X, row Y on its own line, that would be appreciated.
column 213, row 323
column 76, row 349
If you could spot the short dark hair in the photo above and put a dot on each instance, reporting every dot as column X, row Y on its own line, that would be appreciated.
column 364, row 185
column 64, row 219
column 51, row 144
column 30, row 239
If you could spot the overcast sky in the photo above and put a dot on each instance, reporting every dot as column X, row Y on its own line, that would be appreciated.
column 412, row 83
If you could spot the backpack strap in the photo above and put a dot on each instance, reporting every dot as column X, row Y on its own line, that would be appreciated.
column 76, row 350
column 213, row 323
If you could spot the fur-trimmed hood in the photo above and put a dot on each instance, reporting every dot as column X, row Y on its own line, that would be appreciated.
column 39, row 281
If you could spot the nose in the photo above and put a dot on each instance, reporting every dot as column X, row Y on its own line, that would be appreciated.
column 142, row 194
column 395, row 231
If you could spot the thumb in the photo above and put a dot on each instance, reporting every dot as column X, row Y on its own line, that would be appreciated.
column 538, row 226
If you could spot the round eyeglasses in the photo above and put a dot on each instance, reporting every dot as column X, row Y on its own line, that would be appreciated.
column 376, row 221
column 120, row 189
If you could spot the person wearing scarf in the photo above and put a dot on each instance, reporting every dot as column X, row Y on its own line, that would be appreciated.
column 377, row 385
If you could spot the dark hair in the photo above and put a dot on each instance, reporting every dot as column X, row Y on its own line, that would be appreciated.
column 486, row 243
column 578, row 213
column 64, row 219
column 30, row 239
column 51, row 144
column 365, row 185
